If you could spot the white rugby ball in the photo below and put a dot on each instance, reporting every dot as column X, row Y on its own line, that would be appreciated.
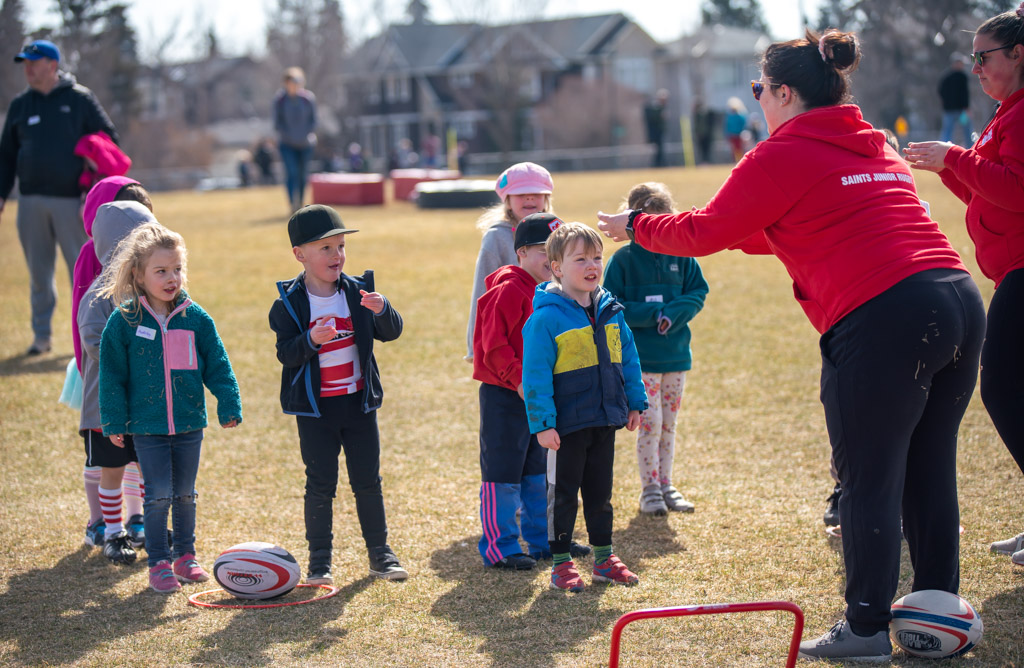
column 934, row 624
column 256, row 570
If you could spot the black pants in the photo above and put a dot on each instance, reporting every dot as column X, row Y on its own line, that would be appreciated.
column 508, row 451
column 342, row 424
column 1002, row 363
column 897, row 375
column 582, row 465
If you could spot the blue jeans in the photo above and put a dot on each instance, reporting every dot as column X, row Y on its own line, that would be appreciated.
column 950, row 119
column 296, row 172
column 169, row 466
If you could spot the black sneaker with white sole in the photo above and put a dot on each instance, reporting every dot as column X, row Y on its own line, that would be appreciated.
column 384, row 564
column 516, row 562
column 832, row 510
column 577, row 550
column 118, row 550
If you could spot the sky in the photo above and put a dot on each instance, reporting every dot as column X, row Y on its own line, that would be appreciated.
column 240, row 27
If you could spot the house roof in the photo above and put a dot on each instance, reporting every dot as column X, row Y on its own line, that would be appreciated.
column 426, row 48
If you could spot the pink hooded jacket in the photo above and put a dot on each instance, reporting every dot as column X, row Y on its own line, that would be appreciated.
column 88, row 266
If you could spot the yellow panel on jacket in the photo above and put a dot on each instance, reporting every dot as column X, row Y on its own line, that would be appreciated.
column 576, row 348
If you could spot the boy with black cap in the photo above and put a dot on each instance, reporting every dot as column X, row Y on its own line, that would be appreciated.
column 325, row 323
column 512, row 463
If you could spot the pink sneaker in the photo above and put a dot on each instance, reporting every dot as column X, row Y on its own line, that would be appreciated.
column 614, row 571
column 187, row 569
column 565, row 576
column 161, row 578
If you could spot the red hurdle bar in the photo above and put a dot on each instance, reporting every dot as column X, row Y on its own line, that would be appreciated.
column 713, row 609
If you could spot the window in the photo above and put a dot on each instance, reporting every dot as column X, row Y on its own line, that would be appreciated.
column 636, row 73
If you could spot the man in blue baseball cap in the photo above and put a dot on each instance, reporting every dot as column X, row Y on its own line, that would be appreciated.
column 43, row 124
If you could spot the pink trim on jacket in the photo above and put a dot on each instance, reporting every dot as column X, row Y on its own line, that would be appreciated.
column 164, row 346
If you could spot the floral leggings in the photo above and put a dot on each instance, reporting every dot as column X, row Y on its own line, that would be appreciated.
column 656, row 438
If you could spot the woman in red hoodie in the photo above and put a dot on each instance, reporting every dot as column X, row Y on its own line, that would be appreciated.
column 989, row 178
column 901, row 320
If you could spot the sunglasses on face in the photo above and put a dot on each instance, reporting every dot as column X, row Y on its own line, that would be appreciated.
column 979, row 56
column 757, row 87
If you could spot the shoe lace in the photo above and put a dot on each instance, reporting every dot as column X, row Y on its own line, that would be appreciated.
column 837, row 628
column 385, row 557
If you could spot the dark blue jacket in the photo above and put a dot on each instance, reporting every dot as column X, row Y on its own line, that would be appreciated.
column 300, row 377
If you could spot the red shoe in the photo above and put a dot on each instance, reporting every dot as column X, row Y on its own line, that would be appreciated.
column 615, row 572
column 565, row 576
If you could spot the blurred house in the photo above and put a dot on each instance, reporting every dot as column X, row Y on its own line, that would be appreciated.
column 503, row 89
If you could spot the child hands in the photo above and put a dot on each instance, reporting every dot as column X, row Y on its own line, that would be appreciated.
column 373, row 301
column 632, row 422
column 664, row 322
column 323, row 331
column 549, row 437
column 230, row 425
column 117, row 439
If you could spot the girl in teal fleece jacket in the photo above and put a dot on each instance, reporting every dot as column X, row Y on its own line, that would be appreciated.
column 661, row 294
column 158, row 350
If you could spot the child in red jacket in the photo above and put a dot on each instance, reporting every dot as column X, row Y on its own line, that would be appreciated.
column 512, row 463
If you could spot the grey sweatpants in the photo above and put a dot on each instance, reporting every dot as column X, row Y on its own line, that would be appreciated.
column 44, row 222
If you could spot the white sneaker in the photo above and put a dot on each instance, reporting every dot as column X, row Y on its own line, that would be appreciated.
column 1008, row 546
column 1018, row 557
column 652, row 502
column 674, row 501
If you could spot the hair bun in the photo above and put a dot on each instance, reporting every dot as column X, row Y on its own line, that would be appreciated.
column 839, row 49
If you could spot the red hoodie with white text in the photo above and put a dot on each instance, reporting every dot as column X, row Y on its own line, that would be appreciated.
column 831, row 199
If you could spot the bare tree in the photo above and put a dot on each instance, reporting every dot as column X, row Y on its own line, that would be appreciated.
column 12, row 35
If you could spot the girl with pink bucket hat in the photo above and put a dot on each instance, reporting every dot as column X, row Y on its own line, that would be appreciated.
column 524, row 188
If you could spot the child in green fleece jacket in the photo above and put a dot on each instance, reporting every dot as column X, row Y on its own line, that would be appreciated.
column 661, row 294
column 158, row 350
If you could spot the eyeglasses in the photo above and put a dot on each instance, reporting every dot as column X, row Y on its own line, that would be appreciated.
column 979, row 56
column 757, row 87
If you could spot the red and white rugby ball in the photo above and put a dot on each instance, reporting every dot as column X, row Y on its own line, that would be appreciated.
column 934, row 624
column 256, row 570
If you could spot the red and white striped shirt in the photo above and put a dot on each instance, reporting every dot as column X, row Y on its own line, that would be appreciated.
column 339, row 358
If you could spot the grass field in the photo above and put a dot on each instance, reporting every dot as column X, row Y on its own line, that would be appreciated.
column 752, row 453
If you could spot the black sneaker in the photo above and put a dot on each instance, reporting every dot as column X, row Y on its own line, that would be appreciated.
column 516, row 562
column 118, row 550
column 832, row 511
column 137, row 532
column 320, row 575
column 576, row 550
column 384, row 564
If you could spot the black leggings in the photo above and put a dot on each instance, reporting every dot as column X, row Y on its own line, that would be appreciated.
column 1002, row 363
column 897, row 375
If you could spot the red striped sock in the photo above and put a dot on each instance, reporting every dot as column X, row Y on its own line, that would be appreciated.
column 110, row 502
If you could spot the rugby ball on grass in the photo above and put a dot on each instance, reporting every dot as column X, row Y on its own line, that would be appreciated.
column 256, row 570
column 934, row 624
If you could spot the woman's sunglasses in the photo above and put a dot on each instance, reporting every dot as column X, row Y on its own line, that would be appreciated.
column 758, row 87
column 979, row 56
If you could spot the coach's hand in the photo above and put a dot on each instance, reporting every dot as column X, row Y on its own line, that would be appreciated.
column 613, row 225
column 927, row 155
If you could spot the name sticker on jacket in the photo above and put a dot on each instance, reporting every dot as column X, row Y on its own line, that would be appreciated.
column 33, row 120
column 653, row 298
column 146, row 332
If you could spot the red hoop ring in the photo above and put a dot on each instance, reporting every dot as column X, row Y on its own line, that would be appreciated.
column 194, row 599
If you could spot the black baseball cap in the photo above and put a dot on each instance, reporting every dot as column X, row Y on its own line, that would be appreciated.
column 315, row 222
column 535, row 229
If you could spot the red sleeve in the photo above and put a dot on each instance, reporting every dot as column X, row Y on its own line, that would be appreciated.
column 1000, row 184
column 950, row 180
column 747, row 202
column 497, row 321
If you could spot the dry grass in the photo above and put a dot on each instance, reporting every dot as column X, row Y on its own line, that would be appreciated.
column 752, row 454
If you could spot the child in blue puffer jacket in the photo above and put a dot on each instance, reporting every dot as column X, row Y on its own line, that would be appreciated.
column 581, row 382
